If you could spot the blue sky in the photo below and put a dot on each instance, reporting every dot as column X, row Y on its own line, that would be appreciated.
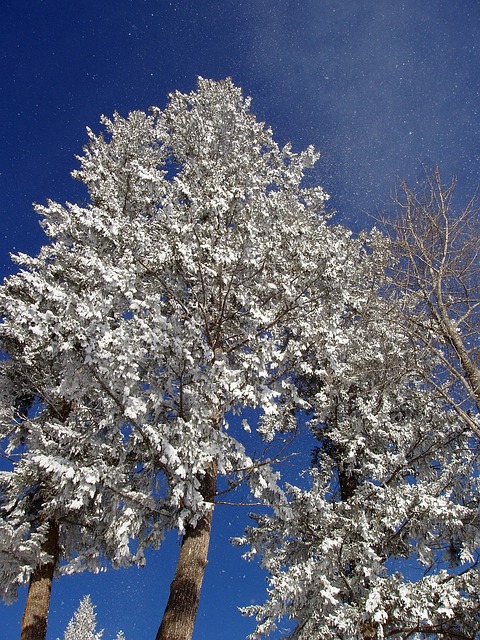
column 375, row 86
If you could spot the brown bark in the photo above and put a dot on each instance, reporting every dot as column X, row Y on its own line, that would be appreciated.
column 181, row 610
column 35, row 614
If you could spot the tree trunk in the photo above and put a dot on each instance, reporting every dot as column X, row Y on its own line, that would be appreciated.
column 181, row 610
column 35, row 614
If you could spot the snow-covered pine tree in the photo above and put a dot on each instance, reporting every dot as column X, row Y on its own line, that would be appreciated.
column 384, row 543
column 185, row 291
column 83, row 625
column 72, row 492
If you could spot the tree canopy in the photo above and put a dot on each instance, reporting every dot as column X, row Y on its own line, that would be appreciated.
column 203, row 278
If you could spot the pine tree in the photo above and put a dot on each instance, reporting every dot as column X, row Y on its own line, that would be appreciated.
column 68, row 492
column 83, row 625
column 185, row 291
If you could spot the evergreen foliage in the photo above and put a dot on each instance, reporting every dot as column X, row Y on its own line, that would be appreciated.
column 201, row 279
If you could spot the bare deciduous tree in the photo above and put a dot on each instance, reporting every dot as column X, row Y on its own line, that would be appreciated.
column 438, row 267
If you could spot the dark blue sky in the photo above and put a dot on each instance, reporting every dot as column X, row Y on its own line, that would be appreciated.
column 375, row 86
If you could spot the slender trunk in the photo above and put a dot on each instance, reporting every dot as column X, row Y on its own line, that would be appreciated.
column 35, row 614
column 472, row 373
column 181, row 610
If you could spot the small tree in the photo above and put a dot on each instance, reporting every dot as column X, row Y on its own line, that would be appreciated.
column 83, row 625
